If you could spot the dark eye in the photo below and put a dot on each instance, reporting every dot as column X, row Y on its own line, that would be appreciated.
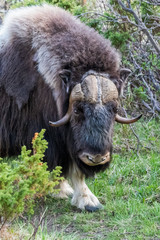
column 114, row 107
column 78, row 111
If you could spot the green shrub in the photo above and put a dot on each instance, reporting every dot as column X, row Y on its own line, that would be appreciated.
column 71, row 5
column 25, row 180
column 140, row 93
column 25, row 3
column 118, row 39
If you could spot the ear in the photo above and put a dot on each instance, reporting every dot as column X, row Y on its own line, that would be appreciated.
column 65, row 76
column 17, row 71
column 124, row 73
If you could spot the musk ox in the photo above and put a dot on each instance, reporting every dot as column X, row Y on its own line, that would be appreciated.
column 54, row 68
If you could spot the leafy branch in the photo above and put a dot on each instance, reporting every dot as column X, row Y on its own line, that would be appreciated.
column 25, row 180
column 140, row 24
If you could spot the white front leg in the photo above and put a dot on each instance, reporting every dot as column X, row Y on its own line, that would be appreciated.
column 65, row 190
column 82, row 198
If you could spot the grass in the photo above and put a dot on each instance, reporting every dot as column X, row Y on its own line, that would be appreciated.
column 129, row 191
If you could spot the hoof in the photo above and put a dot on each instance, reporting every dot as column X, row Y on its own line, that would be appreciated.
column 93, row 208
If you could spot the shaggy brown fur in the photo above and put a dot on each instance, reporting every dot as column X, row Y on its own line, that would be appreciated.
column 39, row 46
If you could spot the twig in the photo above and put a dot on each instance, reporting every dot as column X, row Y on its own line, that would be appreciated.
column 155, row 83
column 151, row 96
column 37, row 225
column 140, row 24
column 134, row 133
column 154, row 3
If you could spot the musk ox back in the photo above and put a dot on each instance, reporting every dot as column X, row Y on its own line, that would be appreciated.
column 53, row 67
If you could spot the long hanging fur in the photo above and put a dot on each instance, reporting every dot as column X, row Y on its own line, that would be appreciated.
column 36, row 45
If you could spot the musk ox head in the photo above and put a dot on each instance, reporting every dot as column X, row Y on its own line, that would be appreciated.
column 91, row 114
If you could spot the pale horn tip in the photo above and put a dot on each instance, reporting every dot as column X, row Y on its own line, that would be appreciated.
column 123, row 120
column 53, row 124
column 139, row 116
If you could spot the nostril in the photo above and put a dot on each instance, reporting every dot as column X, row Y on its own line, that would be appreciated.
column 103, row 159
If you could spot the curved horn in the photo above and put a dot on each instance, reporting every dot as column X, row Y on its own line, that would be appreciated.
column 63, row 120
column 123, row 120
column 75, row 95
